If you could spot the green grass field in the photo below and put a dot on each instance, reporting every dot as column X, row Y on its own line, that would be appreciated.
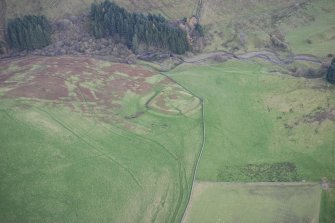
column 84, row 140
column 262, row 203
column 262, row 126
column 75, row 159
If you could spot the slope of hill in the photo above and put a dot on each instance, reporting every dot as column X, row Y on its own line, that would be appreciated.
column 230, row 25
column 55, row 9
column 246, row 25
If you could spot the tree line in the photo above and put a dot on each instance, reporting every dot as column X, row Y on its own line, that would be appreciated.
column 109, row 19
column 29, row 32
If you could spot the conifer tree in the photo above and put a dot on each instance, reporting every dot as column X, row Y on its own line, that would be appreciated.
column 29, row 32
column 134, row 43
column 109, row 19
column 331, row 72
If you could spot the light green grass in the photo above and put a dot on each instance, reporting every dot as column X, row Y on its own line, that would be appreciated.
column 217, row 202
column 59, row 164
column 259, row 126
column 320, row 31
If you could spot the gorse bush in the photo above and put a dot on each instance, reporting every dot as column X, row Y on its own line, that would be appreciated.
column 28, row 33
column 108, row 19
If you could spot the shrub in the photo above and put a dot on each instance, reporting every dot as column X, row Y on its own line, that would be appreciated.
column 331, row 72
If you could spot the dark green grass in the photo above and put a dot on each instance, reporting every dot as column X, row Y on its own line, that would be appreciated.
column 327, row 212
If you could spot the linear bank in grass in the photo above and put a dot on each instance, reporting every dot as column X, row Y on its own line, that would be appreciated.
column 81, row 142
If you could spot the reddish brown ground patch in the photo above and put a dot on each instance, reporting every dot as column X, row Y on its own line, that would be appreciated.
column 161, row 103
column 86, row 93
column 121, row 85
column 142, row 88
column 28, row 61
column 321, row 116
column 126, row 69
column 5, row 76
column 4, row 65
column 173, row 96
column 166, row 81
column 48, row 81
column 41, row 87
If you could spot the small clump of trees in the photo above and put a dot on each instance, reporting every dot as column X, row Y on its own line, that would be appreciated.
column 331, row 72
column 29, row 32
column 109, row 19
column 2, row 47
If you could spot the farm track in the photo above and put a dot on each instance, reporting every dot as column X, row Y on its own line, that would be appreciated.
column 199, row 7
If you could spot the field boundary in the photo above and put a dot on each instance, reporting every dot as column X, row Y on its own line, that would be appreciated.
column 203, row 127
column 311, row 183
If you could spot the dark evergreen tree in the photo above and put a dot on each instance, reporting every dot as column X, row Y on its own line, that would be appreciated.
column 134, row 43
column 331, row 72
column 199, row 29
column 108, row 19
column 28, row 33
column 2, row 47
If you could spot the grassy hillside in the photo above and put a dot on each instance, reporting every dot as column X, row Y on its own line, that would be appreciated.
column 92, row 141
column 247, row 24
column 243, row 25
column 316, row 35
column 54, row 9
column 262, row 126
column 227, row 20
